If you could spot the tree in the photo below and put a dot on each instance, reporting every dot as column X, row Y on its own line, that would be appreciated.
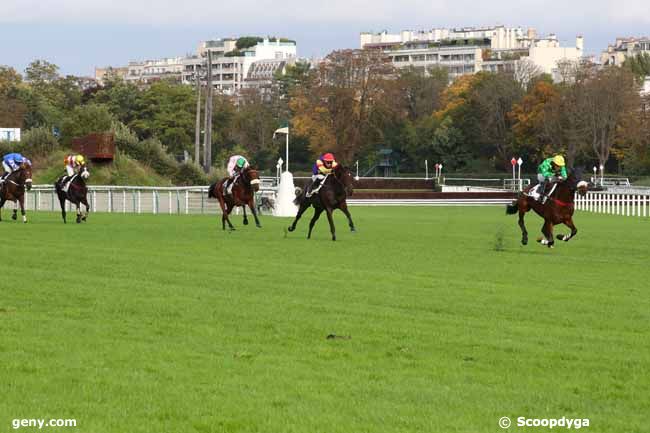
column 494, row 96
column 86, row 119
column 610, row 96
column 41, row 72
column 422, row 90
column 639, row 65
column 338, row 108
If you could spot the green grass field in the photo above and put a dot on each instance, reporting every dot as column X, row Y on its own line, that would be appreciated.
column 167, row 324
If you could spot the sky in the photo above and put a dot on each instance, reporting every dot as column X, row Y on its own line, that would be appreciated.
column 79, row 35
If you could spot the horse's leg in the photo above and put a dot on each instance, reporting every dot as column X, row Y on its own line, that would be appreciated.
column 312, row 223
column 547, row 231
column 251, row 204
column 228, row 211
column 2, row 203
column 522, row 225
column 304, row 205
column 21, row 201
column 14, row 215
column 331, row 221
column 574, row 230
column 62, row 201
column 245, row 216
column 224, row 212
column 344, row 208
column 78, row 211
column 84, row 201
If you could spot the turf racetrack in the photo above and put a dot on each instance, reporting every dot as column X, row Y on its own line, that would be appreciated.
column 167, row 324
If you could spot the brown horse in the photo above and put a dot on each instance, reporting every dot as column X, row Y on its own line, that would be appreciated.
column 243, row 194
column 558, row 209
column 13, row 189
column 332, row 195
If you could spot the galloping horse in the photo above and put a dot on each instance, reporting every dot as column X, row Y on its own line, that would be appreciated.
column 243, row 194
column 331, row 195
column 76, row 193
column 558, row 209
column 13, row 189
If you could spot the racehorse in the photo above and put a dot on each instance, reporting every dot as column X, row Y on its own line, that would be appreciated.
column 243, row 194
column 76, row 193
column 558, row 209
column 13, row 189
column 331, row 195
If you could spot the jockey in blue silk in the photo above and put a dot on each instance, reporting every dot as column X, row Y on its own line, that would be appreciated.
column 12, row 162
column 550, row 170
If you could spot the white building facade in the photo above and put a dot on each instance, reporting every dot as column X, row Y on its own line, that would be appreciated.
column 230, row 66
column 9, row 134
column 149, row 71
column 470, row 50
column 623, row 48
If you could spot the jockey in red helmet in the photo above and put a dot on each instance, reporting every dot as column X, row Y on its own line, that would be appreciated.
column 321, row 169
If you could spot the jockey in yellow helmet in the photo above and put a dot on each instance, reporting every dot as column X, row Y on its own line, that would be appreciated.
column 550, row 170
column 73, row 164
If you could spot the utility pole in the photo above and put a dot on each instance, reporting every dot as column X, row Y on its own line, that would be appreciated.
column 197, row 132
column 207, row 155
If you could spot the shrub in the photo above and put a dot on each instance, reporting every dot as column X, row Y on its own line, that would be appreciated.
column 39, row 142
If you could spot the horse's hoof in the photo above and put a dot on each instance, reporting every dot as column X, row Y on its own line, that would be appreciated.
column 524, row 241
column 245, row 222
column 14, row 217
column 291, row 229
column 353, row 230
column 259, row 226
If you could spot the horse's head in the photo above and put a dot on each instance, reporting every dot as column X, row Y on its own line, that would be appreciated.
column 344, row 176
column 25, row 176
column 575, row 183
column 252, row 178
column 84, row 172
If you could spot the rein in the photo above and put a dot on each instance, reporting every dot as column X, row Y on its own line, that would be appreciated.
column 561, row 203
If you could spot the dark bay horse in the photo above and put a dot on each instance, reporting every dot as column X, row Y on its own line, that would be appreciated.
column 336, row 187
column 76, row 194
column 243, row 194
column 558, row 209
column 13, row 189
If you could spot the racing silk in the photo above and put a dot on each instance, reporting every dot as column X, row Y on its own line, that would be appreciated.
column 13, row 160
column 71, row 160
column 319, row 167
column 232, row 164
column 546, row 169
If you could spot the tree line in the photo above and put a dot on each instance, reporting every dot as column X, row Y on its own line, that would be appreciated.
column 356, row 104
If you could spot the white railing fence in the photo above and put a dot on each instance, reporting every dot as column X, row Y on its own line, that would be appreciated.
column 137, row 199
column 614, row 203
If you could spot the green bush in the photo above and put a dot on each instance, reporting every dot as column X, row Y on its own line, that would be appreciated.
column 39, row 141
column 189, row 173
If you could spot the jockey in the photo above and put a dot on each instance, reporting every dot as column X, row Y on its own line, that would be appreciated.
column 12, row 162
column 72, row 165
column 550, row 170
column 322, row 167
column 236, row 164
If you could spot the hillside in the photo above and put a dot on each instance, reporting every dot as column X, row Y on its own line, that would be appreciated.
column 122, row 171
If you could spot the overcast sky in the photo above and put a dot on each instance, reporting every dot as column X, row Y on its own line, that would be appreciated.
column 78, row 35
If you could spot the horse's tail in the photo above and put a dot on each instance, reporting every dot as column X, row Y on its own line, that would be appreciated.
column 212, row 190
column 512, row 208
column 299, row 196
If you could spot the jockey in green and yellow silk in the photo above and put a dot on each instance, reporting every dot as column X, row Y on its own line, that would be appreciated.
column 550, row 170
